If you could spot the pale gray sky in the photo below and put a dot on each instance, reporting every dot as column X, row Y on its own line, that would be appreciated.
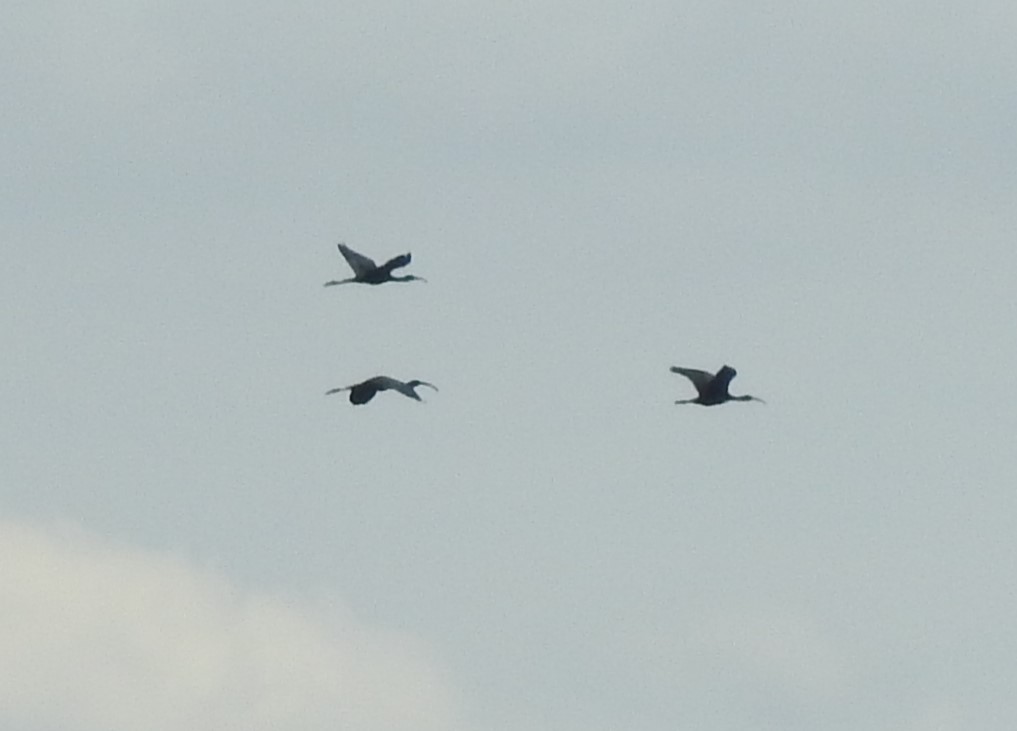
column 194, row 536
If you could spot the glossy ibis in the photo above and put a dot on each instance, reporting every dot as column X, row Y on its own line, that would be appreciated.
column 366, row 271
column 361, row 393
column 712, row 387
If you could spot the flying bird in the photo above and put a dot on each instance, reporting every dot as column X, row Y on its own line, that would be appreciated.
column 366, row 271
column 361, row 393
column 712, row 388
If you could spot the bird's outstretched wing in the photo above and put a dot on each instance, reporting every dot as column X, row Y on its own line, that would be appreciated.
column 396, row 262
column 700, row 379
column 359, row 263
column 724, row 376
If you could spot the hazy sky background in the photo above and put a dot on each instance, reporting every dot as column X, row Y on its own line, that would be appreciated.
column 819, row 194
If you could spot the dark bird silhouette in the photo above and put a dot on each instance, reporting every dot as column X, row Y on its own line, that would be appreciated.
column 361, row 393
column 712, row 388
column 366, row 271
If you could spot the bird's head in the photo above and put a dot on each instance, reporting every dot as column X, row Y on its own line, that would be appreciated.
column 414, row 383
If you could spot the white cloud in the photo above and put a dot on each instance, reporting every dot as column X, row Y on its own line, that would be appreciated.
column 100, row 636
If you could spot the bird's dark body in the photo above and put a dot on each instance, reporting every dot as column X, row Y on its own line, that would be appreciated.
column 715, row 391
column 362, row 393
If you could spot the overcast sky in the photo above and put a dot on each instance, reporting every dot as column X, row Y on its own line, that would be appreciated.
column 193, row 536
